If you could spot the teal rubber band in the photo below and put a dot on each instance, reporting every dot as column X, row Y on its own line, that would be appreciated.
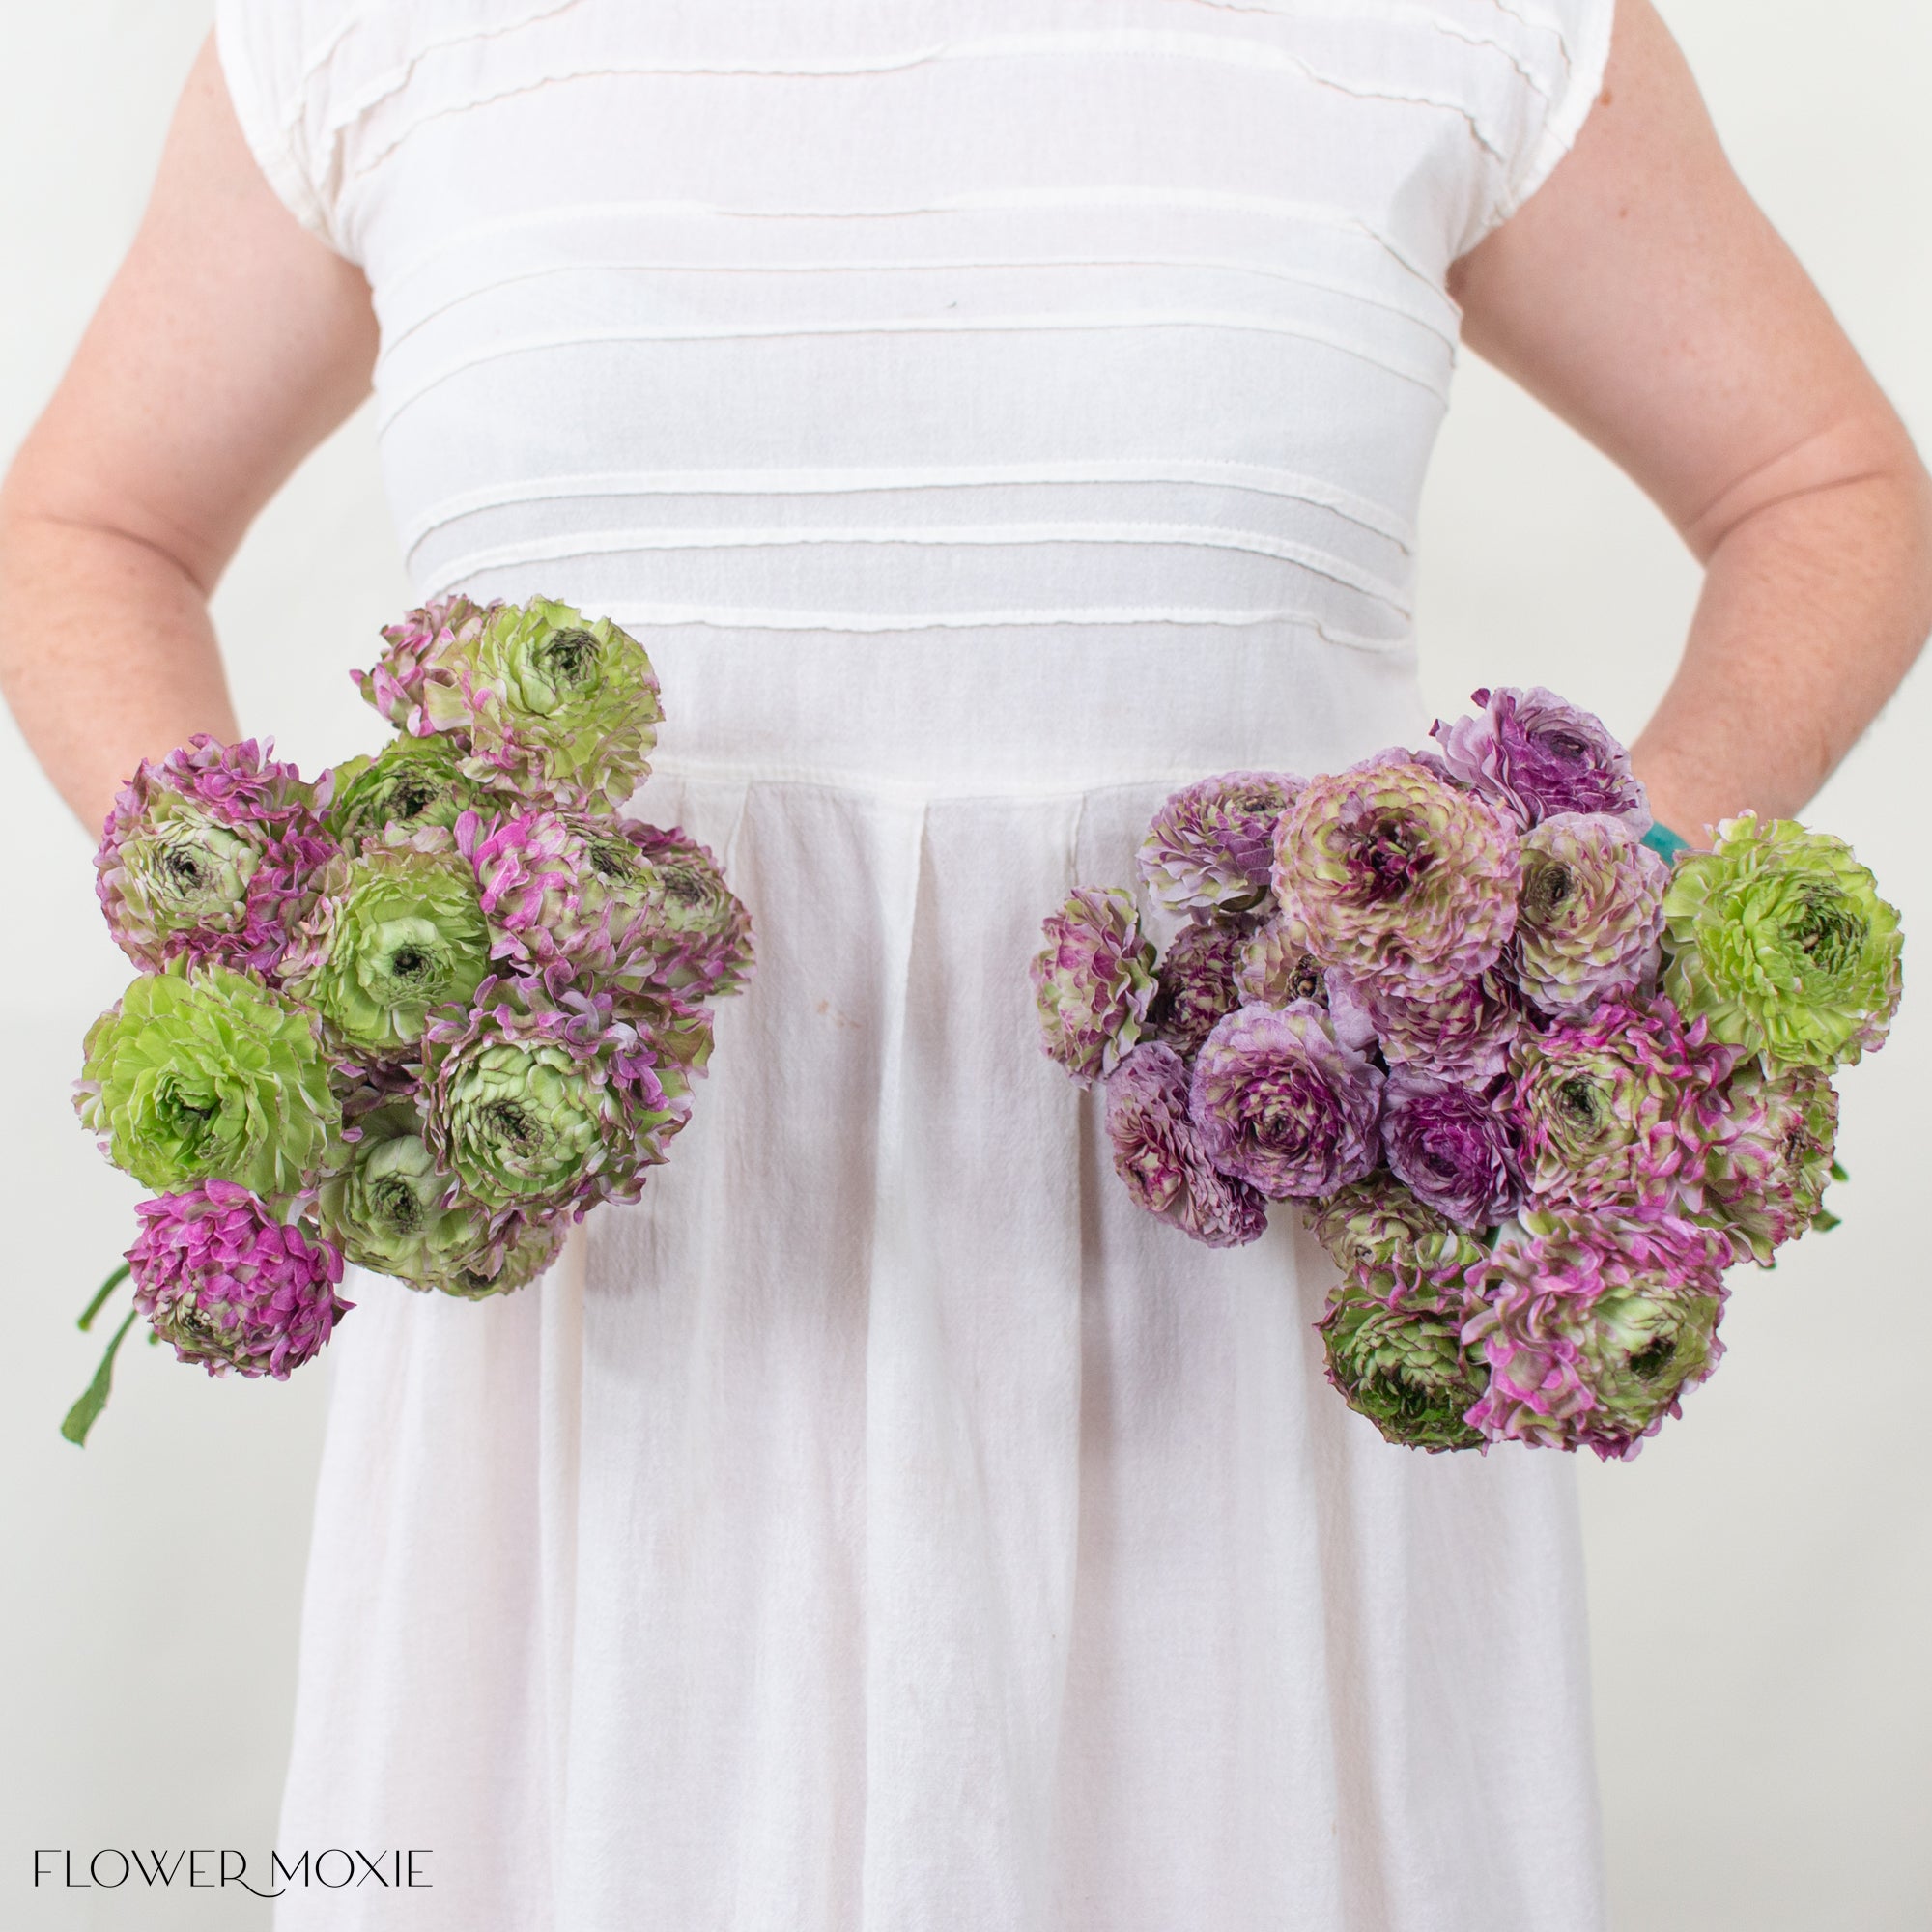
column 1665, row 843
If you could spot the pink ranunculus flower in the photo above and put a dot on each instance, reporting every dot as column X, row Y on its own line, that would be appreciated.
column 1593, row 1331
column 231, row 1285
column 212, row 854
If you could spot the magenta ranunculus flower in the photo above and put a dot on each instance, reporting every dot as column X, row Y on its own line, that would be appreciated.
column 1592, row 1332
column 1539, row 756
column 1092, row 981
column 1195, row 982
column 1211, row 847
column 1619, row 1113
column 1159, row 1156
column 1456, row 1147
column 1464, row 1034
column 231, row 1285
column 1281, row 1103
column 395, row 685
column 212, row 854
column 1390, row 872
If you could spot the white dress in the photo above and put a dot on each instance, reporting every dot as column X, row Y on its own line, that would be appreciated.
column 991, row 415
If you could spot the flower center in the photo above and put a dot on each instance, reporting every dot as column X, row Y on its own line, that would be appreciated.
column 568, row 659
column 509, row 1122
column 1566, row 745
column 612, row 859
column 1391, row 854
column 1651, row 1361
column 1549, row 888
column 1581, row 1100
column 396, row 1205
column 1827, row 930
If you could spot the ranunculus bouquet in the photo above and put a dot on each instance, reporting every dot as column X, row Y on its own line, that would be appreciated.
column 417, row 1014
column 1534, row 1085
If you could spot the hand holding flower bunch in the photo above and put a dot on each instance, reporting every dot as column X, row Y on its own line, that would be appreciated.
column 1533, row 1087
column 418, row 1014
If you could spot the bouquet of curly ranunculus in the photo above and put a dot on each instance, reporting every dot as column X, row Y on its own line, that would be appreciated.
column 1536, row 1072
column 417, row 1014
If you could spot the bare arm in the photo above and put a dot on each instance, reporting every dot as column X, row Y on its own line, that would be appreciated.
column 231, row 342
column 1643, row 297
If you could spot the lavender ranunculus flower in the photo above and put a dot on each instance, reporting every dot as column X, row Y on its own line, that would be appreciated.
column 1194, row 983
column 211, row 855
column 1465, row 1033
column 1281, row 1103
column 1592, row 1331
column 1092, row 981
column 1539, row 756
column 699, row 947
column 1765, row 1181
column 1456, row 1147
column 1276, row 970
column 1210, row 846
column 230, row 1285
column 1619, row 1113
column 1590, row 921
column 1388, row 871
column 1158, row 1153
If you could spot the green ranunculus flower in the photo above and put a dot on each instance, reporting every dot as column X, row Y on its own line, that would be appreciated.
column 1779, row 939
column 397, row 933
column 1404, row 1367
column 1641, row 1348
column 391, row 1208
column 206, row 1074
column 526, row 1250
column 549, row 698
column 525, row 1120
column 411, row 782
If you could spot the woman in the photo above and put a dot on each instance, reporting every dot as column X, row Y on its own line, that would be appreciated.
column 991, row 415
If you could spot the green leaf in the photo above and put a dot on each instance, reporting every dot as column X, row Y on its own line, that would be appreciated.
column 81, row 1417
column 1838, row 1173
column 108, row 1288
column 1824, row 1223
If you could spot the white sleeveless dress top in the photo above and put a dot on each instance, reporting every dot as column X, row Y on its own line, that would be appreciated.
column 991, row 415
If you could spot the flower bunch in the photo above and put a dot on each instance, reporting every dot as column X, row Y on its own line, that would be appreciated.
column 1531, row 1086
column 417, row 1015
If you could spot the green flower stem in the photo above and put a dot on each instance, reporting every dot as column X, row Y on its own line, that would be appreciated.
column 108, row 1288
column 82, row 1416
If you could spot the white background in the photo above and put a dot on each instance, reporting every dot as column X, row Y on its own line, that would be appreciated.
column 1760, row 1579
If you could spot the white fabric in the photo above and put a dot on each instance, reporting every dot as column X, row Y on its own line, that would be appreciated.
column 992, row 414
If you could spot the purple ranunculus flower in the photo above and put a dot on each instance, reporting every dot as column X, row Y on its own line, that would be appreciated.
column 1092, row 981
column 210, row 854
column 1212, row 846
column 1590, row 921
column 1281, row 1103
column 1464, row 1034
column 1539, row 756
column 1454, row 1146
column 1389, row 871
column 1158, row 1153
column 231, row 1285
column 1275, row 970
column 1194, row 983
